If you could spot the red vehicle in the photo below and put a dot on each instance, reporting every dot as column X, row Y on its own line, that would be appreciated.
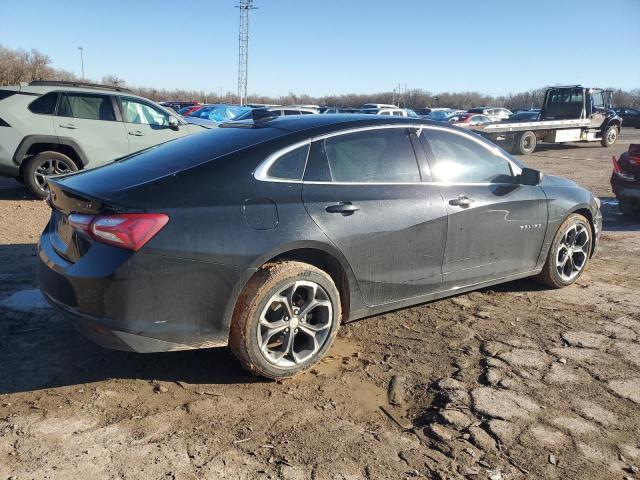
column 188, row 110
column 469, row 119
column 625, row 180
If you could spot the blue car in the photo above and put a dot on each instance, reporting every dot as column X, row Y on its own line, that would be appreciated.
column 214, row 114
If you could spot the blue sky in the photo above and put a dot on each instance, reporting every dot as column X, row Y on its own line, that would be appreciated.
column 330, row 46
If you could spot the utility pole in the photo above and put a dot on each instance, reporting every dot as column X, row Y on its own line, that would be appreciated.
column 243, row 48
column 82, row 61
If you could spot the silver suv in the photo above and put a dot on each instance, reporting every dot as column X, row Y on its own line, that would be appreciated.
column 51, row 128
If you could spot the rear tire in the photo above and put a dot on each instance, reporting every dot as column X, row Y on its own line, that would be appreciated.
column 569, row 253
column 285, row 319
column 42, row 165
column 524, row 143
column 610, row 136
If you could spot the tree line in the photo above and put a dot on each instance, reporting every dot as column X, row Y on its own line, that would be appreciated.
column 25, row 66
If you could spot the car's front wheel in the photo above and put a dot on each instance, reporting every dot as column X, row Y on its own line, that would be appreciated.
column 43, row 165
column 610, row 136
column 285, row 319
column 569, row 252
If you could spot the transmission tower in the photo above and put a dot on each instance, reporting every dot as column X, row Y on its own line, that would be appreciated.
column 243, row 50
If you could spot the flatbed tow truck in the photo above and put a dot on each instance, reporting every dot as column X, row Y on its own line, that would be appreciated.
column 568, row 114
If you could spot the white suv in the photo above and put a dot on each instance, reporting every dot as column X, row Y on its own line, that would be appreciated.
column 52, row 128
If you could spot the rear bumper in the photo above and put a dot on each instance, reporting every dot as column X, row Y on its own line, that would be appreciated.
column 625, row 189
column 136, row 301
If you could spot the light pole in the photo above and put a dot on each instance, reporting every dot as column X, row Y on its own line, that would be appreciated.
column 81, row 61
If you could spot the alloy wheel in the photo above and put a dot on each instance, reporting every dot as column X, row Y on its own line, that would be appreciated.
column 573, row 251
column 50, row 166
column 295, row 324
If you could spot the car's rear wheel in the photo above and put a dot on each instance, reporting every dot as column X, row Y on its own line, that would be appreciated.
column 524, row 143
column 569, row 252
column 43, row 165
column 609, row 136
column 285, row 319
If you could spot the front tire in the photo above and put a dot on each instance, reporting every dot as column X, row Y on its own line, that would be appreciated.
column 285, row 320
column 42, row 165
column 610, row 136
column 569, row 253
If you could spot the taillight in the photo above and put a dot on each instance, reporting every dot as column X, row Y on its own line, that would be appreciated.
column 126, row 230
column 618, row 171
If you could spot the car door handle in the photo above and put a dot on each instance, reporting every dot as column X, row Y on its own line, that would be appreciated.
column 136, row 133
column 70, row 126
column 461, row 201
column 345, row 208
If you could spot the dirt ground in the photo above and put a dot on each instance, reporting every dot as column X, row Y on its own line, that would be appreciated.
column 505, row 383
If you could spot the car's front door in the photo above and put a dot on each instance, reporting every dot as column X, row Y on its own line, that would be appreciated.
column 88, row 121
column 496, row 226
column 147, row 125
column 364, row 190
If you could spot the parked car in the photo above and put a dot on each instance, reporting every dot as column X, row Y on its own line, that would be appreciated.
column 495, row 114
column 411, row 113
column 527, row 116
column 276, row 112
column 378, row 105
column 384, row 111
column 630, row 116
column 51, row 128
column 267, row 237
column 442, row 115
column 469, row 119
column 341, row 110
column 625, row 180
column 188, row 110
column 210, row 116
column 176, row 105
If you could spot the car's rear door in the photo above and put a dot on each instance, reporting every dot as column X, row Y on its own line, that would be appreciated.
column 496, row 226
column 89, row 121
column 147, row 125
column 364, row 190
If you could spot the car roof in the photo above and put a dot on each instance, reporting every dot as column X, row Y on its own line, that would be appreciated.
column 327, row 122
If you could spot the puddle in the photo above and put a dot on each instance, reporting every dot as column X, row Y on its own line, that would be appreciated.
column 25, row 301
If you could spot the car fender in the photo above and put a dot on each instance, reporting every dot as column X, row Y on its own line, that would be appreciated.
column 30, row 140
column 611, row 120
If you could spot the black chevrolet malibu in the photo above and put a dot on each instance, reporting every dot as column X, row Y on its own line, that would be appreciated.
column 266, row 235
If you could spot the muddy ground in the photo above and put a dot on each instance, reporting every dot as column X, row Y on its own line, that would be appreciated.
column 510, row 382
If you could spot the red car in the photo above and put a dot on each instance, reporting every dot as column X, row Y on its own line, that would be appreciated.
column 188, row 110
column 625, row 180
column 469, row 119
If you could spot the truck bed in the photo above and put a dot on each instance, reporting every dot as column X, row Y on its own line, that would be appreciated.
column 536, row 125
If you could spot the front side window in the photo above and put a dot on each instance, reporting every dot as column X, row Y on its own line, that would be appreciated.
column 290, row 166
column 45, row 105
column 460, row 159
column 597, row 100
column 90, row 107
column 380, row 155
column 142, row 113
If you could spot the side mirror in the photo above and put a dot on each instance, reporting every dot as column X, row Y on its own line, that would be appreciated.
column 173, row 123
column 529, row 176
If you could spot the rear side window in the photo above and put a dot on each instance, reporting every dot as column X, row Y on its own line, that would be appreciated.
column 45, row 105
column 90, row 107
column 290, row 166
column 459, row 159
column 379, row 155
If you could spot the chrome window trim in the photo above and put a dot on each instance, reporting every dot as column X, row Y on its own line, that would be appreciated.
column 260, row 173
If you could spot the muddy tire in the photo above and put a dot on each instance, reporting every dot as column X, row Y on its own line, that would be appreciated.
column 524, row 143
column 285, row 320
column 569, row 253
column 610, row 136
column 44, row 164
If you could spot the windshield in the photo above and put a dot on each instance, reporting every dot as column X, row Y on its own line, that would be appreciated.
column 439, row 115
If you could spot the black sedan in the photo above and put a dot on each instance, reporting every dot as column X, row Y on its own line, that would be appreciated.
column 630, row 116
column 267, row 235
